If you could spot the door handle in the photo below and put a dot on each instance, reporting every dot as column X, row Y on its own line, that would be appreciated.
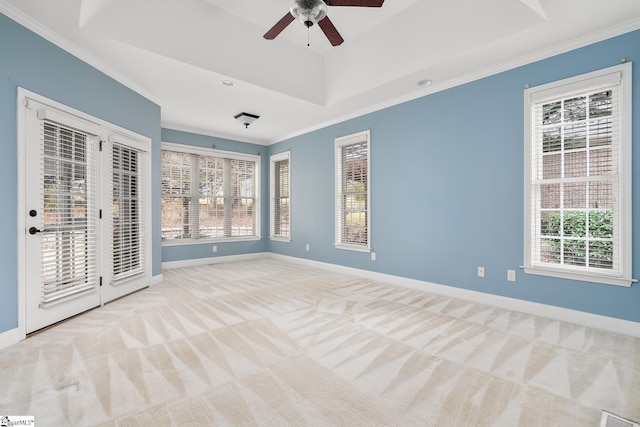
column 34, row 230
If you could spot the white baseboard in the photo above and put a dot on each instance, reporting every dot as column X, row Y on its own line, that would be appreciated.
column 591, row 320
column 155, row 280
column 211, row 260
column 11, row 337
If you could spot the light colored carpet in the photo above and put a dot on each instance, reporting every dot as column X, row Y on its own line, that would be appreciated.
column 270, row 343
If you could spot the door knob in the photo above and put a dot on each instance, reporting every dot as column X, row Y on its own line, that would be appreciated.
column 34, row 230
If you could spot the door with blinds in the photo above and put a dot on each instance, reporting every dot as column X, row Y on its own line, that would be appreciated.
column 125, row 269
column 61, row 200
column 85, row 201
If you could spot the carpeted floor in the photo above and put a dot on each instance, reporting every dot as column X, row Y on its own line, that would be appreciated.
column 270, row 343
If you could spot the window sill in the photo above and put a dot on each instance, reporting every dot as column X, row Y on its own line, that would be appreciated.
column 574, row 275
column 280, row 239
column 354, row 248
column 183, row 242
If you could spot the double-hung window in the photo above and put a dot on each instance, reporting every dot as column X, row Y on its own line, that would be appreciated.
column 209, row 195
column 353, row 217
column 281, row 196
column 578, row 177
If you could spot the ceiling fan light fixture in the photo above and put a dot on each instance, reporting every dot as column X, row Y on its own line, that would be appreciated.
column 246, row 118
column 308, row 12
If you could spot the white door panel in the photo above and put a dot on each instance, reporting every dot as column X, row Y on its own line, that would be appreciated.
column 62, row 271
column 126, row 271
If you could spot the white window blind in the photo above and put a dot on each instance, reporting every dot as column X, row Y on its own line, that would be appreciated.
column 577, row 215
column 208, row 194
column 352, row 192
column 280, row 196
column 69, row 237
column 129, row 254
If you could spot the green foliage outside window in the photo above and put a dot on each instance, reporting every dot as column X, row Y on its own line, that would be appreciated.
column 569, row 234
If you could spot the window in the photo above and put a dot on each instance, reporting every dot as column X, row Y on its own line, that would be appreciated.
column 352, row 192
column 578, row 177
column 280, row 197
column 209, row 195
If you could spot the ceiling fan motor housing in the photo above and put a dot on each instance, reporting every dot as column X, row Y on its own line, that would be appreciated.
column 308, row 12
column 308, row 4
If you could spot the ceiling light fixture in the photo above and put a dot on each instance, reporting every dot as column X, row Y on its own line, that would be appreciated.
column 308, row 12
column 246, row 119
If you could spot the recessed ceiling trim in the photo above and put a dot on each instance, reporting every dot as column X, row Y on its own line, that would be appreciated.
column 64, row 44
column 536, row 7
column 139, row 24
column 486, row 72
column 362, row 103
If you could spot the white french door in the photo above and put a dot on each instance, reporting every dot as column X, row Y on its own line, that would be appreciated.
column 124, row 227
column 62, row 259
column 85, row 213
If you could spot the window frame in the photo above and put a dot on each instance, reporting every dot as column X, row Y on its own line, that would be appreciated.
column 231, row 155
column 339, row 144
column 562, row 89
column 273, row 181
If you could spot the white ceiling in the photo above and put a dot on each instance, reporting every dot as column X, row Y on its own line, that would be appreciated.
column 176, row 52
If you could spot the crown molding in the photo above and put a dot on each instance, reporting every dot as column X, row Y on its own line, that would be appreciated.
column 212, row 133
column 35, row 26
column 485, row 72
column 46, row 33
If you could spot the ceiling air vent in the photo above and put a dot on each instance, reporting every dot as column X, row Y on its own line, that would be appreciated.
column 611, row 420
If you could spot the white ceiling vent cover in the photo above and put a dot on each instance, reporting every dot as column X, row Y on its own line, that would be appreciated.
column 610, row 420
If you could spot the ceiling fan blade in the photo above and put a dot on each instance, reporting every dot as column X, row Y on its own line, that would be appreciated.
column 280, row 25
column 330, row 31
column 355, row 3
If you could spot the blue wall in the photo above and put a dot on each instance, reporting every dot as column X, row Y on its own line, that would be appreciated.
column 29, row 61
column 448, row 187
column 447, row 175
column 204, row 250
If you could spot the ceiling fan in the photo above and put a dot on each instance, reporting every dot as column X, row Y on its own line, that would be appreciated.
column 315, row 11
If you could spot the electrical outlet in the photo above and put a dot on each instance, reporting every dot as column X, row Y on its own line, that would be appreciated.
column 215, row 248
column 511, row 275
column 480, row 271
column 307, row 247
column 373, row 256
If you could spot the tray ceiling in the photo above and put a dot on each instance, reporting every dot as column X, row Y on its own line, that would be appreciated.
column 177, row 52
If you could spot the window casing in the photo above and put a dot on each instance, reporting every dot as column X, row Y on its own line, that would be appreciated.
column 209, row 195
column 353, row 214
column 578, row 177
column 280, row 194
